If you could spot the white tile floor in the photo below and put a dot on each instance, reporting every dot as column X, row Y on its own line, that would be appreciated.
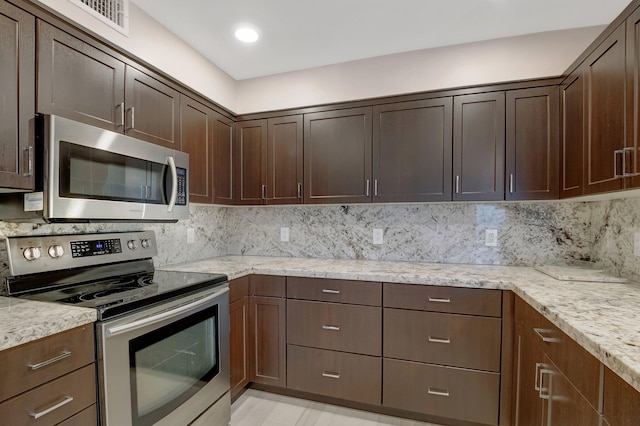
column 257, row 408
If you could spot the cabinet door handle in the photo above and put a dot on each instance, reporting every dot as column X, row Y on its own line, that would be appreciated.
column 615, row 163
column 539, row 365
column 122, row 111
column 328, row 291
column 438, row 392
column 133, row 119
column 299, row 190
column 264, row 192
column 29, row 160
column 331, row 327
column 436, row 340
column 67, row 399
column 625, row 151
column 375, row 187
column 439, row 300
column 543, row 389
column 457, row 184
column 330, row 375
column 511, row 183
column 63, row 355
column 367, row 185
column 540, row 332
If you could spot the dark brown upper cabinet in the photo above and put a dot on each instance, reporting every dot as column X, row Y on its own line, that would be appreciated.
column 17, row 85
column 479, row 147
column 631, row 155
column 284, row 160
column 532, row 143
column 196, row 135
column 605, row 106
column 412, row 148
column 251, row 157
column 337, row 156
column 223, row 158
column 79, row 81
column 151, row 109
column 572, row 148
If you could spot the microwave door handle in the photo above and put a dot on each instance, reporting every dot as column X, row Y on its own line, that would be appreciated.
column 174, row 183
column 119, row 329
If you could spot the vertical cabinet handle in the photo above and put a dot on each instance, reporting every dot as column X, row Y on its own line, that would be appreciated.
column 133, row 119
column 122, row 112
column 299, row 190
column 367, row 185
column 629, row 150
column 67, row 399
column 375, row 187
column 457, row 184
column 264, row 192
column 29, row 160
column 511, row 183
column 543, row 392
column 615, row 163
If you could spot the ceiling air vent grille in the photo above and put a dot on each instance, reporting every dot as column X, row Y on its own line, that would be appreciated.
column 114, row 13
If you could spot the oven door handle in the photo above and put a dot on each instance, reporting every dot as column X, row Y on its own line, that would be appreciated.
column 124, row 328
column 174, row 183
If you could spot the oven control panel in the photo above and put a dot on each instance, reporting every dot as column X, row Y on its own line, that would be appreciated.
column 43, row 253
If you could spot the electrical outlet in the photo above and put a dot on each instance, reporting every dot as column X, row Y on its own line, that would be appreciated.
column 636, row 244
column 191, row 236
column 378, row 236
column 284, row 234
column 491, row 237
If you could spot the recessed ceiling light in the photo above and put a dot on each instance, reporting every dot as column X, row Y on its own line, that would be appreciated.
column 246, row 33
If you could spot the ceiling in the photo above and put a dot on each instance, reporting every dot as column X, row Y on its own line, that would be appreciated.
column 300, row 34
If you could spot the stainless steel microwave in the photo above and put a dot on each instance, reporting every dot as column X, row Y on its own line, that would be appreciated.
column 87, row 174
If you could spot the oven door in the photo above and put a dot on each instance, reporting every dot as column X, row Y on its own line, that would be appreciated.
column 166, row 365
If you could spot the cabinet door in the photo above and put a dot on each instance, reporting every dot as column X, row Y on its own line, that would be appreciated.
column 572, row 152
column 239, row 345
column 478, row 147
column 412, row 151
column 196, row 139
column 152, row 109
column 632, row 157
column 268, row 341
column 605, row 108
column 337, row 156
column 284, row 160
column 17, row 67
column 529, row 407
column 223, row 156
column 621, row 402
column 78, row 81
column 251, row 157
column 533, row 133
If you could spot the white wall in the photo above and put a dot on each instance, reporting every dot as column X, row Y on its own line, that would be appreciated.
column 156, row 45
column 531, row 56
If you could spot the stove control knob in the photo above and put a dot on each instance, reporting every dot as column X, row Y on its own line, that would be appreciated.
column 55, row 251
column 145, row 243
column 132, row 244
column 31, row 253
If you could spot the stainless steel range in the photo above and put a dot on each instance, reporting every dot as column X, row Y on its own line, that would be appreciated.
column 162, row 337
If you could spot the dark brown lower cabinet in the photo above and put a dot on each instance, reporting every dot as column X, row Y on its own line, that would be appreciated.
column 268, row 342
column 239, row 345
column 621, row 402
column 456, row 393
column 336, row 374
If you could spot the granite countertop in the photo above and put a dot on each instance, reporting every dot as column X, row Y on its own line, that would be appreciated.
column 22, row 321
column 602, row 317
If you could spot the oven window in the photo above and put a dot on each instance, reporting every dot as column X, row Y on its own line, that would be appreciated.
column 102, row 175
column 171, row 364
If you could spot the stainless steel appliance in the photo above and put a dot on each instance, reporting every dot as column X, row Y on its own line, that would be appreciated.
column 84, row 173
column 162, row 337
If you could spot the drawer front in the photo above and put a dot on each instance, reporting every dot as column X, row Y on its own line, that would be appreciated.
column 579, row 366
column 455, row 300
column 445, row 339
column 86, row 417
column 267, row 285
column 337, row 291
column 347, row 328
column 71, row 394
column 238, row 288
column 467, row 395
column 29, row 365
column 336, row 374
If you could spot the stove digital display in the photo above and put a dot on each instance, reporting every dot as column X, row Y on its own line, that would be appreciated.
column 95, row 247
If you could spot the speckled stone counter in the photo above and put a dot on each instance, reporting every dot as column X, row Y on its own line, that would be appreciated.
column 22, row 321
column 602, row 317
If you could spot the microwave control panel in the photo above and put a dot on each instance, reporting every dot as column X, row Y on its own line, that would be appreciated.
column 181, row 199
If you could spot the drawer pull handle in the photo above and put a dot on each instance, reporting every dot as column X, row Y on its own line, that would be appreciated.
column 543, row 389
column 536, row 386
column 438, row 392
column 439, row 300
column 540, row 332
column 67, row 399
column 331, row 327
column 63, row 355
column 436, row 340
column 331, row 375
column 328, row 291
